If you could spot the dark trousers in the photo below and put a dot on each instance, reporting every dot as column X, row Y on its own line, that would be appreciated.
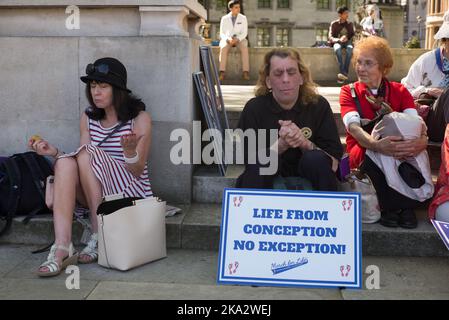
column 389, row 199
column 315, row 166
column 438, row 118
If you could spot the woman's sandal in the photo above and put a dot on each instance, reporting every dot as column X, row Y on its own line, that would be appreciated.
column 52, row 265
column 90, row 250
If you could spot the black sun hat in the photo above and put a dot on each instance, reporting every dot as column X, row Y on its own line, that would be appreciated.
column 107, row 70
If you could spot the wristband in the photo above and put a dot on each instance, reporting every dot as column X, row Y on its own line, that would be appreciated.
column 132, row 160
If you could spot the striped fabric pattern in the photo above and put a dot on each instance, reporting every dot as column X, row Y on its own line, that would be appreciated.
column 108, row 162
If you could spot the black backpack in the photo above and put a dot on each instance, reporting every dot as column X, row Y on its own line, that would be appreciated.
column 22, row 187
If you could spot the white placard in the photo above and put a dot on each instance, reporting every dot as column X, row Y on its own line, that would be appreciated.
column 290, row 238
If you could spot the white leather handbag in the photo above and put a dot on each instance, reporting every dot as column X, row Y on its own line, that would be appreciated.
column 131, row 232
column 362, row 183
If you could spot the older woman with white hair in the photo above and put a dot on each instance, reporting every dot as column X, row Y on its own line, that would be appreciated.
column 428, row 79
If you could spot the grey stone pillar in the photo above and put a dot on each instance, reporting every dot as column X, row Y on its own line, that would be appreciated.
column 157, row 41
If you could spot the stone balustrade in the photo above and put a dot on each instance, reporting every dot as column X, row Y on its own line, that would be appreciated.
column 321, row 61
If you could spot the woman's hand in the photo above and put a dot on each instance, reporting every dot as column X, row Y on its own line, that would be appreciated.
column 401, row 149
column 435, row 92
column 129, row 144
column 410, row 148
column 387, row 145
column 42, row 147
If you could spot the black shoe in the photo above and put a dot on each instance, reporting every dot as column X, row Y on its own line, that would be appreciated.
column 390, row 219
column 407, row 219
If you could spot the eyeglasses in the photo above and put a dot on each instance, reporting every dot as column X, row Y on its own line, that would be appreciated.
column 102, row 68
column 367, row 64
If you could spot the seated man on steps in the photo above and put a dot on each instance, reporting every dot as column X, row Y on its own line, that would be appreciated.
column 233, row 33
column 307, row 145
column 341, row 33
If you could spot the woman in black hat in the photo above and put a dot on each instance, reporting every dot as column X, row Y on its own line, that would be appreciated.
column 112, row 159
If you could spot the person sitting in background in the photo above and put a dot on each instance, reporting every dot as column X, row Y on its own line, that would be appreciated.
column 373, row 60
column 367, row 24
column 233, row 33
column 341, row 32
column 307, row 144
column 428, row 80
column 115, row 135
column 379, row 26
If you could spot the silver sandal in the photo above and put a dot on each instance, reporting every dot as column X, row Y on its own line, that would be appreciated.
column 91, row 250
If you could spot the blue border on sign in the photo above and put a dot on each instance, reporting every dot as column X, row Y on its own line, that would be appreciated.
column 357, row 284
column 438, row 225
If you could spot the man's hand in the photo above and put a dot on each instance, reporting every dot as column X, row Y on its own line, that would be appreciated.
column 293, row 136
column 344, row 39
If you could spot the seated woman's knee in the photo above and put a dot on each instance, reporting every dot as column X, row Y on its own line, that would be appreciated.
column 65, row 165
column 82, row 158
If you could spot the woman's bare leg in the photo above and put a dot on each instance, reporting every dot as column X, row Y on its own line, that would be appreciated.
column 65, row 192
column 90, row 185
column 92, row 190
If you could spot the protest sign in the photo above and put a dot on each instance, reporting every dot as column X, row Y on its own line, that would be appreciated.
column 290, row 238
column 443, row 230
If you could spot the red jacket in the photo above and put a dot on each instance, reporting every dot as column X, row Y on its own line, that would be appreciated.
column 399, row 99
column 442, row 188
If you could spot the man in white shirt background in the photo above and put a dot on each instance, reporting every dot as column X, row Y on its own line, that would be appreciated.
column 233, row 33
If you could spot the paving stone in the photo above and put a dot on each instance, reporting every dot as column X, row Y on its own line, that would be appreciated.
column 158, row 291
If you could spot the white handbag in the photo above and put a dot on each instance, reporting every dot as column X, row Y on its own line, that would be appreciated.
column 133, row 234
column 362, row 183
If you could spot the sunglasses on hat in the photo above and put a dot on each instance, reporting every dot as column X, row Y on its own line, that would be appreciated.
column 102, row 68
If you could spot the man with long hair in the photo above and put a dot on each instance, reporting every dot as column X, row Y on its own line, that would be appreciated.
column 308, row 145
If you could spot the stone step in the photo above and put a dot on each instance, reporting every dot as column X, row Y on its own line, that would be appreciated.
column 208, row 184
column 198, row 227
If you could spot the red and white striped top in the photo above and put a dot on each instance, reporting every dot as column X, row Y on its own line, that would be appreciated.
column 108, row 162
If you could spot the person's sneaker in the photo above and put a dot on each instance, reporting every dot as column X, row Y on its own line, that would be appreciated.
column 245, row 75
column 222, row 75
column 390, row 219
column 407, row 219
column 342, row 77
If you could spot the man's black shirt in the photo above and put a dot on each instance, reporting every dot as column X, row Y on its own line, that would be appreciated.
column 264, row 113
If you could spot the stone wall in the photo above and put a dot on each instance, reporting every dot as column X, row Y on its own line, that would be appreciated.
column 321, row 61
column 41, row 62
